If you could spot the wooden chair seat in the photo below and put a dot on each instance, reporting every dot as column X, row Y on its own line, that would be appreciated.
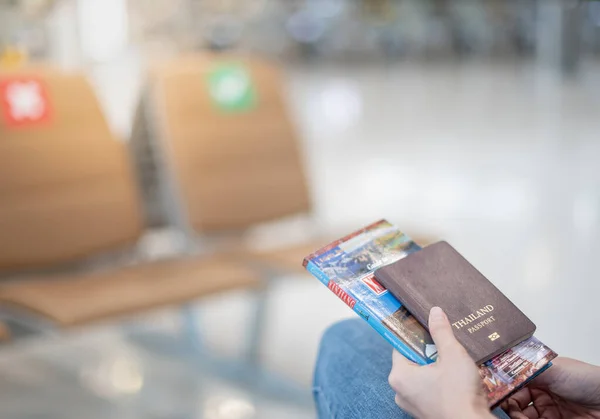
column 288, row 258
column 77, row 299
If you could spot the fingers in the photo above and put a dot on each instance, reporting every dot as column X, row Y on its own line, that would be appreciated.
column 403, row 404
column 402, row 371
column 541, row 398
column 441, row 332
column 401, row 362
column 515, row 411
column 522, row 398
column 530, row 403
column 531, row 412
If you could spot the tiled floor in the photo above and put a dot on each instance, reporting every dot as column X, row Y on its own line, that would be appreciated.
column 499, row 159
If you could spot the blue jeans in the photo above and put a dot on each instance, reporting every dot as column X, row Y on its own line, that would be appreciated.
column 351, row 375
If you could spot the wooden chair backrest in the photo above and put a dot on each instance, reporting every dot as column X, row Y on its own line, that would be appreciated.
column 235, row 164
column 66, row 189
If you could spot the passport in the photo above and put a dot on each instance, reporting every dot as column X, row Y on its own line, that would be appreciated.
column 483, row 319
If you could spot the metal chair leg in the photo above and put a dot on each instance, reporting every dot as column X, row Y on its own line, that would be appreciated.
column 191, row 327
column 257, row 327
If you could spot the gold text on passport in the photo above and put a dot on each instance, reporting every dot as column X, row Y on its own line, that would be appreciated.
column 473, row 316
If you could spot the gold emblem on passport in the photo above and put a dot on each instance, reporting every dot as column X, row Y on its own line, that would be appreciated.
column 494, row 336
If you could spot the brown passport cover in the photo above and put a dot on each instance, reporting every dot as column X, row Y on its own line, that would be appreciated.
column 484, row 321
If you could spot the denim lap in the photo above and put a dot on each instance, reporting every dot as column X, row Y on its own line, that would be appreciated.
column 351, row 375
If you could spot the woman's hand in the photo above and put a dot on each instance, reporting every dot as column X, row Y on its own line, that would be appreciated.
column 569, row 389
column 448, row 389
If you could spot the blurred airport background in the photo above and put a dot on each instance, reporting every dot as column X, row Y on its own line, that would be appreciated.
column 166, row 165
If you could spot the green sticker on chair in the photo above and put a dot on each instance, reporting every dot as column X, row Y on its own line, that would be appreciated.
column 231, row 88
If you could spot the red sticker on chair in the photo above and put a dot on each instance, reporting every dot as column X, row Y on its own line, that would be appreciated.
column 24, row 101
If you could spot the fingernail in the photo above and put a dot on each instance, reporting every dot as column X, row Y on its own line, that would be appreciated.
column 437, row 313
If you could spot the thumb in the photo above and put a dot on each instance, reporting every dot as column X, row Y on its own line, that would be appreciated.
column 441, row 332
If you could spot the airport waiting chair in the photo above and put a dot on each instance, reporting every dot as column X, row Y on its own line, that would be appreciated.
column 5, row 333
column 67, row 194
column 213, row 135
